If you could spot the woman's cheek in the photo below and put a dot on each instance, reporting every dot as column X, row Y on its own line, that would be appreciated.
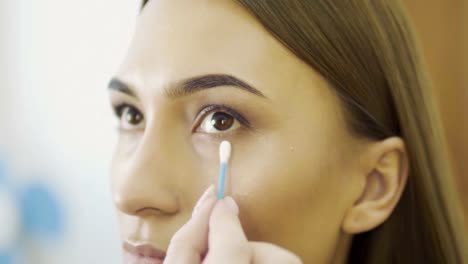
column 269, row 178
column 206, row 158
column 242, row 170
column 206, row 148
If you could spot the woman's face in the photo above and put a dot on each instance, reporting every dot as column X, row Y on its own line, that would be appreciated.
column 199, row 72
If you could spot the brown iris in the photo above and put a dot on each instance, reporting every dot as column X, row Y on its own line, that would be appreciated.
column 132, row 116
column 222, row 121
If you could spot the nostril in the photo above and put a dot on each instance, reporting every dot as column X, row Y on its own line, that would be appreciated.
column 144, row 195
column 162, row 203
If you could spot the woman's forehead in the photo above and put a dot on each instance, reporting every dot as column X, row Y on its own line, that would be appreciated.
column 218, row 33
column 181, row 39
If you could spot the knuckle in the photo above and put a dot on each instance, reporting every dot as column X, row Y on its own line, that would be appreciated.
column 180, row 242
column 293, row 259
column 177, row 238
column 242, row 250
column 241, row 253
column 289, row 258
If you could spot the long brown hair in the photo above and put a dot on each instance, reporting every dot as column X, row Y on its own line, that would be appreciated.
column 367, row 52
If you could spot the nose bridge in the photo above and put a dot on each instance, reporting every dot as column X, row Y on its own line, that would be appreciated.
column 145, row 180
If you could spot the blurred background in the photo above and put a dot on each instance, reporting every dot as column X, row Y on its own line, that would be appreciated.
column 442, row 26
column 56, row 129
column 57, row 134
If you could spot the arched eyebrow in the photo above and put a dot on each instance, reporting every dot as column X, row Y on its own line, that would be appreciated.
column 192, row 85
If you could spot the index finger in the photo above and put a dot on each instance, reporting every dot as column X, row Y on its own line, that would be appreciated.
column 227, row 242
column 189, row 243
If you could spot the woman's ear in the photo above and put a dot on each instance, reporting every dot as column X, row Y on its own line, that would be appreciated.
column 384, row 179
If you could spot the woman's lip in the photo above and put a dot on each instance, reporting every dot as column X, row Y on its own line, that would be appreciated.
column 134, row 259
column 144, row 250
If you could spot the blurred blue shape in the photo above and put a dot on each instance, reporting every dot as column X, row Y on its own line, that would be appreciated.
column 40, row 212
column 3, row 175
column 6, row 258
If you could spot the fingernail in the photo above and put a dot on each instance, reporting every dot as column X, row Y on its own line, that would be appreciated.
column 209, row 192
column 232, row 205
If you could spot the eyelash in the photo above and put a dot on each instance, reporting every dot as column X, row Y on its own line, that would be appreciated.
column 202, row 113
column 208, row 109
column 118, row 109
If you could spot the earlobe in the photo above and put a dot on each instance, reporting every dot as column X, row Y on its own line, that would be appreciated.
column 384, row 184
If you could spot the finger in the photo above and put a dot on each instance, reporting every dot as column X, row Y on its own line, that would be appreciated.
column 190, row 242
column 227, row 242
column 272, row 254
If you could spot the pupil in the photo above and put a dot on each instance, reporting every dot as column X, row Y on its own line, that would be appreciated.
column 222, row 121
column 133, row 117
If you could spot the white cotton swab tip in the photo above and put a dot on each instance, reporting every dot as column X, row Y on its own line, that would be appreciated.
column 224, row 155
column 224, row 151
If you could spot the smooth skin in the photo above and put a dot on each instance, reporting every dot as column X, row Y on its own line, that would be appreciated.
column 302, row 181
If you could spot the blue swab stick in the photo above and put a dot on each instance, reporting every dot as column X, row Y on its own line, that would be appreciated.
column 224, row 155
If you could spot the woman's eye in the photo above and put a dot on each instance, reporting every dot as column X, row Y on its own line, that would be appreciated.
column 217, row 122
column 130, row 118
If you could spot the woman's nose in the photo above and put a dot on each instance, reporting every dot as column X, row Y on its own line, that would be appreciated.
column 135, row 198
column 142, row 185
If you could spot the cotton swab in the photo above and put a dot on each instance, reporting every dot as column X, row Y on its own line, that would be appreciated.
column 224, row 155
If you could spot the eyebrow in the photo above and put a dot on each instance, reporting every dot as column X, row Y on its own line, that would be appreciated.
column 192, row 85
